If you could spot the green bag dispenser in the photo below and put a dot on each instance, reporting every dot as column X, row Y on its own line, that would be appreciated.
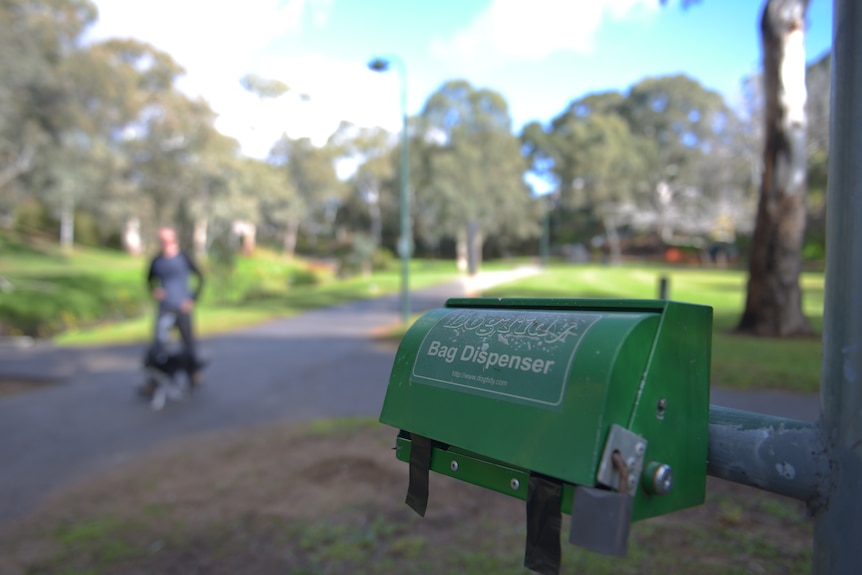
column 598, row 408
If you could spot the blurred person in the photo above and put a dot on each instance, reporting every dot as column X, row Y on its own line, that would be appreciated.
column 169, row 281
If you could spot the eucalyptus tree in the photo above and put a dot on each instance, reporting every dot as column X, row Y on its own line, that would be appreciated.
column 589, row 127
column 370, row 154
column 310, row 172
column 220, row 194
column 112, row 125
column 685, row 124
column 71, row 111
column 471, row 180
column 817, row 80
column 109, row 88
column 647, row 158
column 166, row 144
column 773, row 305
column 281, row 207
column 558, row 152
column 774, row 301
column 178, row 168
column 35, row 40
column 596, row 164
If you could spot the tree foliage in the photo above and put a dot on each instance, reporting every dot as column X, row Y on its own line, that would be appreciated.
column 372, row 194
column 264, row 87
column 470, row 167
column 659, row 156
column 102, row 129
column 310, row 173
column 35, row 39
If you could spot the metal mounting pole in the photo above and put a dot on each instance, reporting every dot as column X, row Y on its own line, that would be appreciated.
column 838, row 526
column 780, row 455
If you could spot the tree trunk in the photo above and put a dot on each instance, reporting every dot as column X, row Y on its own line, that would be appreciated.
column 199, row 238
column 376, row 223
column 474, row 247
column 774, row 303
column 132, row 241
column 249, row 239
column 461, row 251
column 67, row 225
column 610, row 223
column 290, row 237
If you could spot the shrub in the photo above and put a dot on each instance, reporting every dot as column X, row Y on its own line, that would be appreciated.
column 87, row 231
column 52, row 304
column 31, row 216
column 383, row 260
column 355, row 256
column 304, row 277
column 221, row 263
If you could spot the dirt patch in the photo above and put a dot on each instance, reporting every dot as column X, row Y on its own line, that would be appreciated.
column 329, row 498
column 16, row 386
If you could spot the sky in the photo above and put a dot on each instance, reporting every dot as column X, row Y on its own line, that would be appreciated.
column 539, row 54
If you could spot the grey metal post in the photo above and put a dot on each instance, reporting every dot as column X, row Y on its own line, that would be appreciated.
column 404, row 194
column 405, row 241
column 838, row 526
column 663, row 287
column 545, row 241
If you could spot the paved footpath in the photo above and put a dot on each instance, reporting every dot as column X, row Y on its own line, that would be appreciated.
column 318, row 364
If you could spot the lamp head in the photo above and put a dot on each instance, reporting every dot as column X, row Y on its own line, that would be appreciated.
column 379, row 65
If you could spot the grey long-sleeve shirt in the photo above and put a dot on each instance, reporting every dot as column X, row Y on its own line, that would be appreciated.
column 172, row 274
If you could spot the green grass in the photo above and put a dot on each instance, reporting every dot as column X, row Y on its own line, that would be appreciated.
column 98, row 296
column 264, row 303
column 90, row 545
column 45, row 291
column 738, row 362
column 32, row 259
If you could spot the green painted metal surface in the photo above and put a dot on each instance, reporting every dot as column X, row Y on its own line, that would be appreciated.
column 520, row 386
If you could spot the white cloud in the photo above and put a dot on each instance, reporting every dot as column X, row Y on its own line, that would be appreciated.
column 320, row 12
column 539, row 28
column 200, row 31
column 336, row 91
column 219, row 42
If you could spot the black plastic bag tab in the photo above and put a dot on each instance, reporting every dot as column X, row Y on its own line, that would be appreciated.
column 544, row 521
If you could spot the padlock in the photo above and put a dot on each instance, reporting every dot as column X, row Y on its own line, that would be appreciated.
column 601, row 520
column 601, row 517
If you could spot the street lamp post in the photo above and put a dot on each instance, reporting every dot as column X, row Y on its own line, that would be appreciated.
column 405, row 241
column 545, row 243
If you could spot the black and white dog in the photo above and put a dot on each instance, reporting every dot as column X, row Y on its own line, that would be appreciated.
column 163, row 381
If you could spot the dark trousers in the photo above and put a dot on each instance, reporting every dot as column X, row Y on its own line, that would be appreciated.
column 165, row 320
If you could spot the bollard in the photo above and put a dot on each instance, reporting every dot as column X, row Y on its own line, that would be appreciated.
column 663, row 287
